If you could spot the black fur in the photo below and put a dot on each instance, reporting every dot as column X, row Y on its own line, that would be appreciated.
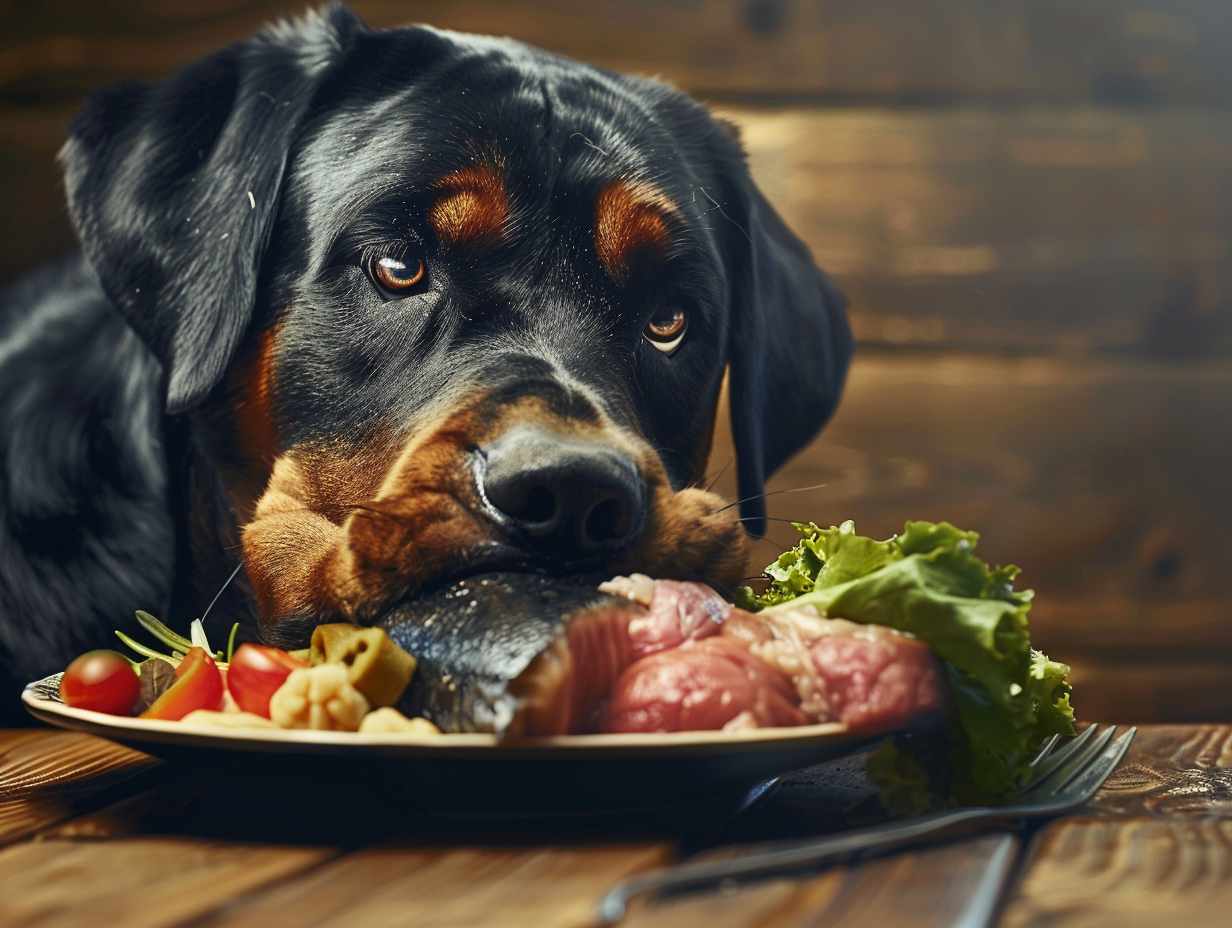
column 252, row 185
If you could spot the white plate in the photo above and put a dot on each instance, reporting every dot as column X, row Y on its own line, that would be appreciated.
column 473, row 773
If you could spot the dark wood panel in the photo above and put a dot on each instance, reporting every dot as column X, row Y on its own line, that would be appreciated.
column 1110, row 50
column 1144, row 686
column 34, row 223
column 1046, row 230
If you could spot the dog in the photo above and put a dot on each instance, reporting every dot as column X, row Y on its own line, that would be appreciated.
column 362, row 312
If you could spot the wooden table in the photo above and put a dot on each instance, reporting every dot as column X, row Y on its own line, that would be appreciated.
column 95, row 834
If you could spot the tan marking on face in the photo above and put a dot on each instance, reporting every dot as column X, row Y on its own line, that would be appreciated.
column 632, row 220
column 249, row 438
column 298, row 523
column 253, row 404
column 474, row 206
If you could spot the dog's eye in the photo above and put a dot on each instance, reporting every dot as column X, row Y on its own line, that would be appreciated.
column 665, row 330
column 399, row 276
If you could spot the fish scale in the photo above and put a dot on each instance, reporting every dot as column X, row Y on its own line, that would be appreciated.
column 470, row 655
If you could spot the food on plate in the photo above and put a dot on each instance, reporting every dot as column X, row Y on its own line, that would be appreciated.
column 254, row 674
column 389, row 720
column 103, row 681
column 790, row 668
column 320, row 698
column 1007, row 697
column 258, row 687
column 512, row 654
column 156, row 678
column 198, row 685
column 872, row 634
column 531, row 657
column 715, row 683
column 376, row 666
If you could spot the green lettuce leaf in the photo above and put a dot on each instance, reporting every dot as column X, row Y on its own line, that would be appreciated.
column 928, row 582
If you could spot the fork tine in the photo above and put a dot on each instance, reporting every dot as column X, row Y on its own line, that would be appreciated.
column 1059, row 756
column 1045, row 750
column 1075, row 762
column 1087, row 783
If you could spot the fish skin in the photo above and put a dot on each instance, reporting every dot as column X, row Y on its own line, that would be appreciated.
column 474, row 638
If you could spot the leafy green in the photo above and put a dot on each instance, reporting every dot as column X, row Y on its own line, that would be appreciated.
column 160, row 631
column 178, row 643
column 928, row 582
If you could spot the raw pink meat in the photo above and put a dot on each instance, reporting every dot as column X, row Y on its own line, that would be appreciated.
column 679, row 612
column 701, row 685
column 702, row 666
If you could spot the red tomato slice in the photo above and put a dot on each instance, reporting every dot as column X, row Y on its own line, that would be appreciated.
column 102, row 681
column 198, row 685
column 255, row 674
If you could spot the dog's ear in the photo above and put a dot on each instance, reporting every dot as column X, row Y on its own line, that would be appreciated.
column 173, row 187
column 790, row 343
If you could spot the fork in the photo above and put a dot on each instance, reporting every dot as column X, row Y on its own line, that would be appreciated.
column 1063, row 779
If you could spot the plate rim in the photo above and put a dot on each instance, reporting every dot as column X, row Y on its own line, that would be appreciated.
column 470, row 746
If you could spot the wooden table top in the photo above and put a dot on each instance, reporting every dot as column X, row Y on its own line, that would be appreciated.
column 92, row 834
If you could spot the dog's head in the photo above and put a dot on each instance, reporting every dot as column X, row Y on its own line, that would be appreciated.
column 457, row 304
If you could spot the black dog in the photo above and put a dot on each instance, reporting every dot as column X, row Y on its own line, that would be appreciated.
column 369, row 311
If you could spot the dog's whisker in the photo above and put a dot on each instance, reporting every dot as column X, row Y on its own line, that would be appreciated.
column 227, row 583
column 766, row 518
column 719, row 475
column 748, row 499
column 770, row 541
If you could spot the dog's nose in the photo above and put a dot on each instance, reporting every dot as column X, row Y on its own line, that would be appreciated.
column 573, row 498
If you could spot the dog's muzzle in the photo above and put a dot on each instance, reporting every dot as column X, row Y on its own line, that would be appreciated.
column 569, row 498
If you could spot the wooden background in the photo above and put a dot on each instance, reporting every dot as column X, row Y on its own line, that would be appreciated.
column 1029, row 203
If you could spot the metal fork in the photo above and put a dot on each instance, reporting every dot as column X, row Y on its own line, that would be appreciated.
column 1063, row 779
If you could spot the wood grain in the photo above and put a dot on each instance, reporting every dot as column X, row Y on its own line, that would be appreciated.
column 997, row 50
column 770, row 903
column 47, row 776
column 1059, row 230
column 1127, row 874
column 1157, row 845
column 1138, row 685
column 36, row 226
column 548, row 887
column 943, row 886
column 1172, row 772
column 1155, row 841
column 136, row 882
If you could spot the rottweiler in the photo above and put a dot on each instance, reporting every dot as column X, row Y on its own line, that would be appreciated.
column 369, row 311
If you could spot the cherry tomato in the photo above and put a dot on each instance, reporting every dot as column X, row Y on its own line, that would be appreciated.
column 255, row 673
column 198, row 685
column 102, row 681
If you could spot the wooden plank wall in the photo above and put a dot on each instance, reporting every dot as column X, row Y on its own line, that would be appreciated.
column 1029, row 203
